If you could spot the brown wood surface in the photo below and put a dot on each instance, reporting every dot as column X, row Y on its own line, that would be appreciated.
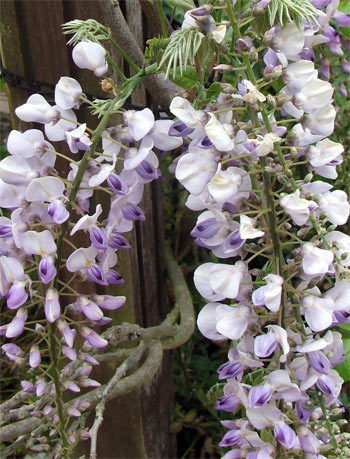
column 32, row 45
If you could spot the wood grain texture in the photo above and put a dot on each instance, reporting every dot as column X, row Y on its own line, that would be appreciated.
column 12, row 57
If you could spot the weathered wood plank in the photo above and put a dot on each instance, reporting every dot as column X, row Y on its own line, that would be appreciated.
column 12, row 56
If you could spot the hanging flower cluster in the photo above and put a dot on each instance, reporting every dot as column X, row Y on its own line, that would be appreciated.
column 47, row 210
column 282, row 282
column 257, row 162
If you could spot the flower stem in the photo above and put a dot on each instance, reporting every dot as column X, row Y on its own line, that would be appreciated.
column 272, row 222
column 161, row 18
column 328, row 422
column 124, row 54
column 53, row 371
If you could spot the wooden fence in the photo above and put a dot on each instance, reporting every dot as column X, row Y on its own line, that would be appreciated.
column 33, row 46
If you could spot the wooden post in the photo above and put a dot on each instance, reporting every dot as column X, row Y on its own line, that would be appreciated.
column 135, row 425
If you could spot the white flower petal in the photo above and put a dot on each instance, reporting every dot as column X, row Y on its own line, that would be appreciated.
column 218, row 135
column 206, row 322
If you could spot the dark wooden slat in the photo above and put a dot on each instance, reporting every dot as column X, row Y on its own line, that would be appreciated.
column 11, row 55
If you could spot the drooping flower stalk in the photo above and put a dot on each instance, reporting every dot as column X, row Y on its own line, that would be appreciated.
column 43, row 207
column 250, row 143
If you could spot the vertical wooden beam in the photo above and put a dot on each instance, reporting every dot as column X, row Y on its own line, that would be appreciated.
column 11, row 55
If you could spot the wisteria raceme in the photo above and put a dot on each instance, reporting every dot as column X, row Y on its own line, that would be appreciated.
column 279, row 320
column 257, row 161
column 43, row 215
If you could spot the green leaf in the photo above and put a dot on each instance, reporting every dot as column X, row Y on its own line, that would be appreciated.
column 282, row 12
column 267, row 435
column 187, row 80
column 3, row 152
column 344, row 7
column 345, row 31
column 155, row 48
column 89, row 29
column 213, row 91
column 181, row 50
column 344, row 368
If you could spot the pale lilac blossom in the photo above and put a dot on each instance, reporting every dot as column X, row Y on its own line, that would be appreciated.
column 92, row 56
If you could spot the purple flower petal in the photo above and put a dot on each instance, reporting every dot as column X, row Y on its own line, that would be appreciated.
column 116, row 241
column 319, row 362
column 265, row 345
column 230, row 370
column 179, row 129
column 47, row 270
column 98, row 238
column 58, row 212
column 132, row 212
column 284, row 434
column 17, row 295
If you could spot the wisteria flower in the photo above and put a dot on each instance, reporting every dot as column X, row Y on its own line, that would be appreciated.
column 270, row 294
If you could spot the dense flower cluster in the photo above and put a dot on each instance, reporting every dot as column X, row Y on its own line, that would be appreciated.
column 47, row 209
column 284, row 283
column 257, row 163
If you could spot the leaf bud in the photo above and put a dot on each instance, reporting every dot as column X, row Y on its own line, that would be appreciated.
column 293, row 153
column 258, row 12
column 254, row 56
column 107, row 85
column 303, row 232
column 256, row 272
column 223, row 68
column 286, row 226
column 282, row 179
column 176, row 427
column 277, row 72
column 282, row 98
column 289, row 173
column 296, row 299
column 227, row 88
column 271, row 101
column 268, row 39
column 190, row 416
column 308, row 178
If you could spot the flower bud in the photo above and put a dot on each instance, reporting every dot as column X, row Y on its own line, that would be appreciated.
column 67, row 92
column 93, row 338
column 70, row 353
column 223, row 68
column 16, row 326
column 271, row 101
column 52, row 306
column 17, row 295
column 27, row 386
column 108, row 302
column 34, row 356
column 57, row 211
column 70, row 385
column 40, row 388
column 89, row 55
column 47, row 270
column 66, row 332
column 37, row 110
